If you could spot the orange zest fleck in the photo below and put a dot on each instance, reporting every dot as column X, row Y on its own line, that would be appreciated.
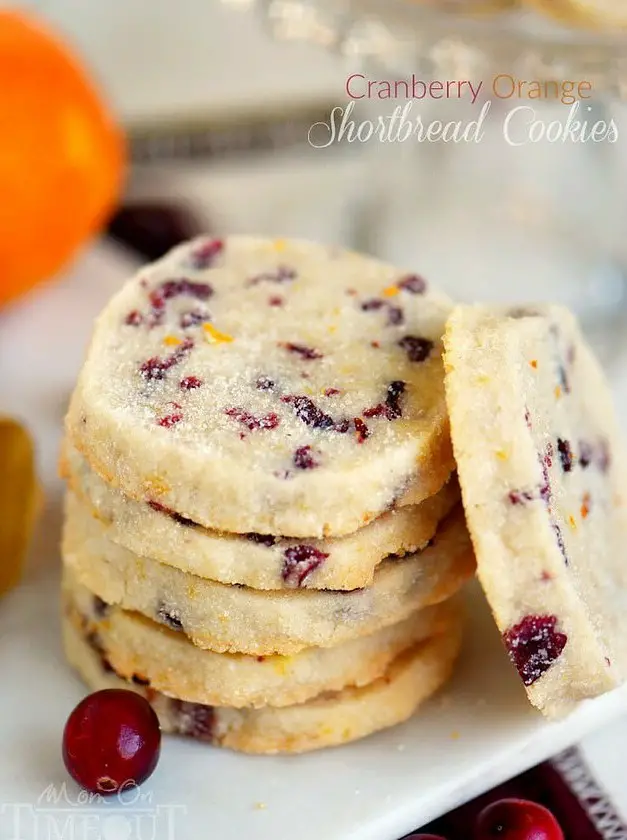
column 585, row 506
column 534, row 364
column 391, row 291
column 279, row 244
column 214, row 336
column 572, row 522
column 558, row 392
column 171, row 341
column 502, row 455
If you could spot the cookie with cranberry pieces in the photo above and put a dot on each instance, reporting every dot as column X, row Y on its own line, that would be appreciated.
column 261, row 561
column 329, row 719
column 271, row 387
column 542, row 473
column 227, row 618
column 150, row 654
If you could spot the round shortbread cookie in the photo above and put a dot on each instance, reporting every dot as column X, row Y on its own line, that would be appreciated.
column 331, row 719
column 257, row 560
column 543, row 476
column 150, row 654
column 603, row 14
column 270, row 387
column 239, row 619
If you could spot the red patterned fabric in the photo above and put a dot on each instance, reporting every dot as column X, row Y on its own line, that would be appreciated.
column 565, row 786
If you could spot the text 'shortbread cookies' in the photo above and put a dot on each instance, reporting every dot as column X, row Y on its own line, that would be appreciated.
column 239, row 619
column 330, row 719
column 260, row 561
column 148, row 653
column 272, row 387
column 542, row 473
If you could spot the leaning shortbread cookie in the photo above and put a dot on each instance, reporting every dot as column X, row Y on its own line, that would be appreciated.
column 148, row 653
column 274, row 387
column 261, row 622
column 543, row 478
column 260, row 561
column 331, row 719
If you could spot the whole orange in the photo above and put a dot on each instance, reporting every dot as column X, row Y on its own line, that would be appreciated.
column 61, row 155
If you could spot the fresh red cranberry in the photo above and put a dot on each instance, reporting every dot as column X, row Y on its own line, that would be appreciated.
column 424, row 837
column 534, row 645
column 517, row 819
column 188, row 383
column 331, row 392
column 299, row 562
column 275, row 300
column 417, row 349
column 110, row 740
column 414, row 284
column 301, row 350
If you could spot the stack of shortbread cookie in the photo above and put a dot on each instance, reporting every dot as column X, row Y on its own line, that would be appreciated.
column 263, row 530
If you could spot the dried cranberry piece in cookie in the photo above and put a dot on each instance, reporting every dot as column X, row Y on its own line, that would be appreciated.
column 282, row 274
column 417, row 349
column 299, row 562
column 304, row 458
column 391, row 409
column 206, row 254
column 193, row 318
column 308, row 412
column 413, row 283
column 534, row 645
column 262, row 539
column 361, row 429
column 253, row 423
column 193, row 719
column 156, row 368
column 182, row 286
column 169, row 617
column 301, row 350
column 566, row 454
column 190, row 383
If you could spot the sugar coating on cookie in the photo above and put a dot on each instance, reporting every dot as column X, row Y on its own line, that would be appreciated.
column 261, row 561
column 239, row 619
column 331, row 718
column 542, row 472
column 274, row 387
